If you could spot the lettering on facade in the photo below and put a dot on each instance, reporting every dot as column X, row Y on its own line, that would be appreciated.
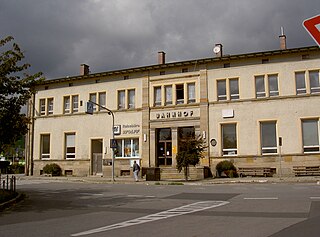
column 174, row 114
column 130, row 129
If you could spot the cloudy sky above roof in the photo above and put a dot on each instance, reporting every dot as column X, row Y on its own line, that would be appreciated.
column 59, row 35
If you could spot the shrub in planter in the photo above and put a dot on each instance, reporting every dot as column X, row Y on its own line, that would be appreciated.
column 228, row 168
column 52, row 169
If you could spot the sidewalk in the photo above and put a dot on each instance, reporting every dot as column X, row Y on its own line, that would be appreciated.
column 209, row 181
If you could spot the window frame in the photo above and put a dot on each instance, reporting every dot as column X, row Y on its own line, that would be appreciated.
column 300, row 90
column 121, row 100
column 69, row 155
column 45, row 156
column 131, row 102
column 180, row 93
column 121, row 147
column 191, row 93
column 268, row 150
column 312, row 148
column 226, row 150
column 157, row 92
column 42, row 107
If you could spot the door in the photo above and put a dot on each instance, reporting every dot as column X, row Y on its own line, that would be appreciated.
column 96, row 156
column 164, row 147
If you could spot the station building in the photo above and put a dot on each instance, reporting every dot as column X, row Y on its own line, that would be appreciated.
column 255, row 109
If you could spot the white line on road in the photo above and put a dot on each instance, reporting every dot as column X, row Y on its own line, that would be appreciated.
column 315, row 198
column 194, row 207
column 261, row 198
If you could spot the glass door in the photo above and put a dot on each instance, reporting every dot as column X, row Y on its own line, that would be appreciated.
column 164, row 147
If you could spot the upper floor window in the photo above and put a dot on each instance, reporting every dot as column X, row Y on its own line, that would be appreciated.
column 66, row 104
column 131, row 102
column 310, row 135
column 70, row 104
column 121, row 99
column 157, row 96
column 180, row 93
column 191, row 92
column 93, row 98
column 102, row 100
column 168, row 94
column 300, row 83
column 46, row 106
column 75, row 103
column 268, row 133
column 228, row 89
column 270, row 82
column 314, row 81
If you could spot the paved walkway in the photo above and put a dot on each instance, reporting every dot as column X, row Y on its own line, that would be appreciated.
column 210, row 181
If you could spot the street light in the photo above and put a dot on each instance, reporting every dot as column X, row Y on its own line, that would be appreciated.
column 89, row 110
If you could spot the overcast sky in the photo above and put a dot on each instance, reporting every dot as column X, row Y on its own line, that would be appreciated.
column 59, row 35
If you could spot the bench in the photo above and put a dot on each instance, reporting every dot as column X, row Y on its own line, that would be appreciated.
column 254, row 171
column 306, row 170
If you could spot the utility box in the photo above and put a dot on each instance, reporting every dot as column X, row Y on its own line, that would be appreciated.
column 153, row 174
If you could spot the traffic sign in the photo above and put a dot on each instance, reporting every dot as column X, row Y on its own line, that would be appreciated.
column 312, row 25
column 89, row 107
column 113, row 143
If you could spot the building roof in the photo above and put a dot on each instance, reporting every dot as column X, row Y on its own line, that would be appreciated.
column 226, row 58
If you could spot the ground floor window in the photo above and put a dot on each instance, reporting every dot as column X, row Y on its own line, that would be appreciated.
column 310, row 135
column 229, row 139
column 70, row 145
column 128, row 147
column 268, row 133
column 45, row 146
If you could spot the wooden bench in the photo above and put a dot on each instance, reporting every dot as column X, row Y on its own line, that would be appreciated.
column 306, row 170
column 254, row 171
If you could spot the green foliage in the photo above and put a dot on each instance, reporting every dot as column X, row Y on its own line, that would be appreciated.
column 16, row 169
column 52, row 169
column 227, row 167
column 16, row 87
column 190, row 152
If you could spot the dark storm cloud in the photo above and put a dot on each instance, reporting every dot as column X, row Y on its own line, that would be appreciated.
column 57, row 36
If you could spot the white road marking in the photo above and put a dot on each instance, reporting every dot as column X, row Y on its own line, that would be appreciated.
column 262, row 198
column 315, row 198
column 194, row 207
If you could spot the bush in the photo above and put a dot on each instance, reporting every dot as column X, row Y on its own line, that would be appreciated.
column 52, row 169
column 228, row 168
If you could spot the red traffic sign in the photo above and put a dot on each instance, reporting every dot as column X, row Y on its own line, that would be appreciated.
column 312, row 25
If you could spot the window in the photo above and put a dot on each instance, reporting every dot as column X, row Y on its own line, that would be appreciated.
column 93, row 98
column 314, row 82
column 45, row 146
column 50, row 106
column 191, row 93
column 260, row 89
column 131, row 102
column 42, row 107
column 66, row 104
column 180, row 93
column 75, row 103
column 234, row 89
column 273, row 85
column 70, row 147
column 222, row 90
column 310, row 135
column 184, row 70
column 300, row 83
column 121, row 99
column 127, row 148
column 168, row 94
column 157, row 96
column 229, row 139
column 102, row 100
column 268, row 137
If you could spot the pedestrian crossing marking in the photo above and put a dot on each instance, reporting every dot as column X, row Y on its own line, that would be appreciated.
column 191, row 208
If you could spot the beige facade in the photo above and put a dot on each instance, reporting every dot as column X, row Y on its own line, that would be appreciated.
column 244, row 102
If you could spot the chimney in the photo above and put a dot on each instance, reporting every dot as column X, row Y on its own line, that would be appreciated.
column 283, row 42
column 84, row 70
column 161, row 57
column 218, row 50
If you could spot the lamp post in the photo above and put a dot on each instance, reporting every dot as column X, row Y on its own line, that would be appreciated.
column 89, row 110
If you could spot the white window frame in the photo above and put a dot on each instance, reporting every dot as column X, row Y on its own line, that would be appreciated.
column 50, row 102
column 70, row 155
column 42, row 107
column 314, row 148
column 191, row 87
column 133, row 152
column 44, row 156
column 131, row 100
column 75, row 103
column 229, row 151
column 300, row 90
column 268, row 150
column 66, row 104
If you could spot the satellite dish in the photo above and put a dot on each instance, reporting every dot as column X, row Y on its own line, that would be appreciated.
column 217, row 49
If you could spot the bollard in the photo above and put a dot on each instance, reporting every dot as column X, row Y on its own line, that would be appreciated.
column 7, row 182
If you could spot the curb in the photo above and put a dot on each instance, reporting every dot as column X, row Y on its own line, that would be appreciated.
column 12, row 202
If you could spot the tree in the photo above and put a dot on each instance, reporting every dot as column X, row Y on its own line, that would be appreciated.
column 16, row 87
column 190, row 151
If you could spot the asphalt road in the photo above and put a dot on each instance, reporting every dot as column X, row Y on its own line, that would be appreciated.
column 60, row 208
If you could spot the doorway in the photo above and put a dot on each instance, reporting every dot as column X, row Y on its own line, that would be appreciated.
column 96, row 156
column 164, row 147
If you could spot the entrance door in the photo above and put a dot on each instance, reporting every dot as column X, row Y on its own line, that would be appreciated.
column 165, row 153
column 96, row 156
column 164, row 147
